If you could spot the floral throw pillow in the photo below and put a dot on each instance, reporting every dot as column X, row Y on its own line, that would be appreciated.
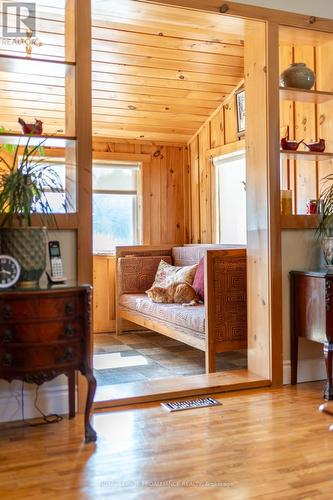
column 167, row 274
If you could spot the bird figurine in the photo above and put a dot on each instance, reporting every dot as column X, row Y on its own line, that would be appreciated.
column 31, row 128
column 289, row 145
column 317, row 147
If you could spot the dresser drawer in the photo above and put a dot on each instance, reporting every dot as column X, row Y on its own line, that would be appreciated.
column 39, row 308
column 65, row 354
column 25, row 333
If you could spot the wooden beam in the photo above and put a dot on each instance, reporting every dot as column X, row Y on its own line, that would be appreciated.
column 240, row 10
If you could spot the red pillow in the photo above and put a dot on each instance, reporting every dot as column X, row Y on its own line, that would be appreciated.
column 199, row 280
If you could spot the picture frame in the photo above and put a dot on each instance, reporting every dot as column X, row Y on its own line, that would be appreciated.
column 240, row 109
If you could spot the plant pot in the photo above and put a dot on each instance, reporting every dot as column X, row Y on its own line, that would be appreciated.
column 327, row 246
column 28, row 246
column 299, row 76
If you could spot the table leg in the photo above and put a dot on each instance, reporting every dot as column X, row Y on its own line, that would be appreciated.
column 293, row 334
column 71, row 393
column 90, row 433
column 328, row 353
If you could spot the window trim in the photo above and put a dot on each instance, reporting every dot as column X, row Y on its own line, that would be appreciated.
column 137, row 196
column 216, row 162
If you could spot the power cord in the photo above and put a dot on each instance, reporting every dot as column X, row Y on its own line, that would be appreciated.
column 52, row 418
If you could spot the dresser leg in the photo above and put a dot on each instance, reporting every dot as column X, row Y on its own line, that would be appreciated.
column 90, row 433
column 71, row 394
column 294, row 358
column 328, row 353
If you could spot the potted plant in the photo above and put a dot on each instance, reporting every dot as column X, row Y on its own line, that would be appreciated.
column 25, row 179
column 325, row 228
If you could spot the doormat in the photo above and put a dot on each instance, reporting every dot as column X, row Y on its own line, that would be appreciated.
column 189, row 405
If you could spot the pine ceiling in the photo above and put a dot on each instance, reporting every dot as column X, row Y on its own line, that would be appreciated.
column 159, row 72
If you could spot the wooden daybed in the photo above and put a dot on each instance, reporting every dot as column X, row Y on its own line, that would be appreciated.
column 219, row 325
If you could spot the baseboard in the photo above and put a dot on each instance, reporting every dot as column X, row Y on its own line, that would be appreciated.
column 50, row 400
column 309, row 370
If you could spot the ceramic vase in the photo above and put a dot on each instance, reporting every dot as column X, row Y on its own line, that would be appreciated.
column 299, row 76
column 28, row 246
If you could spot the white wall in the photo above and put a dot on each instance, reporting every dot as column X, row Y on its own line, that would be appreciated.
column 319, row 8
column 53, row 395
column 300, row 251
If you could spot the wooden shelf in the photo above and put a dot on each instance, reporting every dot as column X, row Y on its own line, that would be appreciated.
column 299, row 221
column 305, row 155
column 34, row 67
column 11, row 57
column 50, row 140
column 312, row 96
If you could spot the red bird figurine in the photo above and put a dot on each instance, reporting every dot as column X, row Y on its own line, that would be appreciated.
column 318, row 147
column 289, row 145
column 31, row 128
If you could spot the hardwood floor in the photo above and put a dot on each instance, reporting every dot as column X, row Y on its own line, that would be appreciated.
column 260, row 444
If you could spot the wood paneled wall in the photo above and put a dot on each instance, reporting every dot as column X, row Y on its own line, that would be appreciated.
column 307, row 121
column 219, row 130
column 165, row 184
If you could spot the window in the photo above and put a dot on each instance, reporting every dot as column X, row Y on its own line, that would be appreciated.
column 231, row 198
column 66, row 183
column 115, row 206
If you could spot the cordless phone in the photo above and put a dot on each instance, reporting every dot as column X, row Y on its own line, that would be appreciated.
column 56, row 275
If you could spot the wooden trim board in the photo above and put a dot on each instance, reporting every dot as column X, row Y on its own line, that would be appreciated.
column 226, row 149
column 178, row 387
column 252, row 12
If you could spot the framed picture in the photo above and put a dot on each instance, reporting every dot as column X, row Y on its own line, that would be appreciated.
column 240, row 107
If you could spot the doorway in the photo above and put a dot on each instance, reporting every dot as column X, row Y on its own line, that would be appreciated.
column 177, row 202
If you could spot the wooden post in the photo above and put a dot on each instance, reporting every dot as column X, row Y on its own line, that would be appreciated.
column 263, row 200
column 83, row 115
column 275, row 250
column 84, row 140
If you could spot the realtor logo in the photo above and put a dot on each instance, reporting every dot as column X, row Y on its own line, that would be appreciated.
column 18, row 19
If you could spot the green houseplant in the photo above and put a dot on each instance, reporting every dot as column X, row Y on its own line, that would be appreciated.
column 325, row 227
column 25, row 180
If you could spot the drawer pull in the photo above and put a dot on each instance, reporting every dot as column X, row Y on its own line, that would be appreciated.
column 69, row 354
column 69, row 332
column 7, row 336
column 69, row 308
column 7, row 312
column 8, row 360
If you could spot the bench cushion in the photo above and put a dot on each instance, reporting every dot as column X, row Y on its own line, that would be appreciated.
column 189, row 317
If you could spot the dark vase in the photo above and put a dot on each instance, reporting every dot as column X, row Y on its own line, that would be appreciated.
column 299, row 76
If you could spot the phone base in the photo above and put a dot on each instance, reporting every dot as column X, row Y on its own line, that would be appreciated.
column 55, row 279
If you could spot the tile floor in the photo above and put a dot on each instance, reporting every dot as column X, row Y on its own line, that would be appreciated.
column 146, row 355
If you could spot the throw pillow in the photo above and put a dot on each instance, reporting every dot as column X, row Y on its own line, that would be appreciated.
column 199, row 280
column 167, row 274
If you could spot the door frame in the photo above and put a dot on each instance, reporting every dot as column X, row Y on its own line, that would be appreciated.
column 263, row 345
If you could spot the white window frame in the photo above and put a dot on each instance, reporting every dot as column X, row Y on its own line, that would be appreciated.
column 137, row 212
column 216, row 162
